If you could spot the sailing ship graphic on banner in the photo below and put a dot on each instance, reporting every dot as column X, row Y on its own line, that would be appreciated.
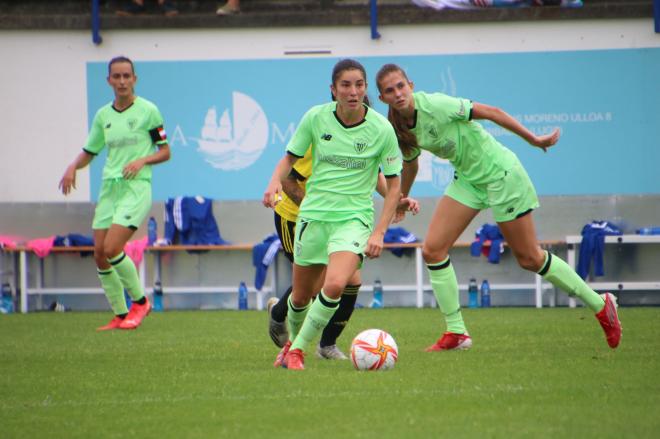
column 235, row 139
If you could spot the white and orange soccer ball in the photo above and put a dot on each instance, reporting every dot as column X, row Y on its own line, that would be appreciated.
column 374, row 349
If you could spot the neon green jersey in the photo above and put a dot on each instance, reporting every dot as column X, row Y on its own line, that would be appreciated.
column 129, row 135
column 345, row 162
column 443, row 127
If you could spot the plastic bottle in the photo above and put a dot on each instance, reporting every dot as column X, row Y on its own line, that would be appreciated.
column 58, row 307
column 7, row 305
column 377, row 302
column 485, row 294
column 473, row 294
column 152, row 231
column 158, row 296
column 242, row 296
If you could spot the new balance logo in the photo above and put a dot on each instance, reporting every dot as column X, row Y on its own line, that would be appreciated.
column 510, row 210
column 326, row 137
column 108, row 126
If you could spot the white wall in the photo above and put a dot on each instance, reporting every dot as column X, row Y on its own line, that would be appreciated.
column 43, row 116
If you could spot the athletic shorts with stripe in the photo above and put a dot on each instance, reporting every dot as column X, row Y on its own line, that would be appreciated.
column 315, row 241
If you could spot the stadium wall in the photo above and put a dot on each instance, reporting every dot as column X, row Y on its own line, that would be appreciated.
column 49, row 101
column 52, row 82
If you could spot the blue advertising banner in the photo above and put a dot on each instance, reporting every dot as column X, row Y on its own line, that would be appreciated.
column 228, row 122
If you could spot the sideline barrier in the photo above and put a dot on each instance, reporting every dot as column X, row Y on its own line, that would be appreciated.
column 419, row 287
column 26, row 290
column 573, row 241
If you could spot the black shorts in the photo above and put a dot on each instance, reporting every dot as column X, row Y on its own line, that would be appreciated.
column 286, row 230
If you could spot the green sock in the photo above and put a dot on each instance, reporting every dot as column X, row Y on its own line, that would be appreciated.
column 114, row 290
column 128, row 275
column 445, row 287
column 295, row 318
column 338, row 322
column 320, row 313
column 561, row 275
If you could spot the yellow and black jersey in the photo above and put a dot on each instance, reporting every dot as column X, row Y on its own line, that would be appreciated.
column 302, row 169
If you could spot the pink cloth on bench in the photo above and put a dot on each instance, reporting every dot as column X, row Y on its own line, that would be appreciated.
column 41, row 246
column 135, row 249
column 7, row 241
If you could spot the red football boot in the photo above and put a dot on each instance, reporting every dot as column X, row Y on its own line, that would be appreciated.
column 294, row 360
column 451, row 341
column 609, row 320
column 279, row 360
column 135, row 315
column 114, row 324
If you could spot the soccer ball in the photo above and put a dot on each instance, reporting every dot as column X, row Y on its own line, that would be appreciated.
column 374, row 349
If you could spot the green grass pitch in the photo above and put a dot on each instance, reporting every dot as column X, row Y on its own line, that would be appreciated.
column 531, row 373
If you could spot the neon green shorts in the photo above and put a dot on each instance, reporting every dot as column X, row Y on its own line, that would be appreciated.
column 123, row 202
column 509, row 197
column 315, row 241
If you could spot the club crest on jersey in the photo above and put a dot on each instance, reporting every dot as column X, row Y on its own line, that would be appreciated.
column 433, row 132
column 360, row 145
column 132, row 123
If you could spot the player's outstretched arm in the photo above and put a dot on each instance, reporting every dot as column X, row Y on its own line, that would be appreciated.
column 505, row 120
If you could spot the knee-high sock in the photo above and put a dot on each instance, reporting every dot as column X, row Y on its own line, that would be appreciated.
column 445, row 287
column 128, row 275
column 561, row 275
column 320, row 313
column 296, row 317
column 114, row 290
column 279, row 311
column 338, row 321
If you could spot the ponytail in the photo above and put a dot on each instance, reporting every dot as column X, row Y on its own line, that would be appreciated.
column 407, row 139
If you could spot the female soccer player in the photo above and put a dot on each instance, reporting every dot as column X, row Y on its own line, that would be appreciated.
column 335, row 226
column 486, row 175
column 132, row 129
column 286, row 214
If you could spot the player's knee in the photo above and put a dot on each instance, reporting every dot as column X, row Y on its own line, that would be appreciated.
column 434, row 255
column 111, row 251
column 333, row 288
column 299, row 302
column 530, row 261
column 99, row 258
